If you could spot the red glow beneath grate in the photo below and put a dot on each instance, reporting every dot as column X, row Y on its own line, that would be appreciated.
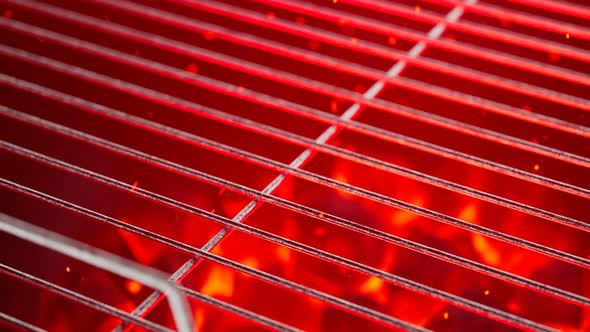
column 512, row 223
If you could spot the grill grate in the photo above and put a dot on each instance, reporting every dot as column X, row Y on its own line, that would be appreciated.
column 295, row 165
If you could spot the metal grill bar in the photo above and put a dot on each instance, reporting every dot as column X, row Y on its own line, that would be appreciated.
column 293, row 138
column 461, row 302
column 311, row 147
column 126, row 317
column 319, row 179
column 240, row 65
column 77, row 297
column 367, row 47
column 467, row 304
column 422, row 47
column 514, row 172
column 260, row 319
column 455, row 300
column 300, row 160
column 314, row 213
column 140, row 91
column 21, row 324
column 372, row 314
column 480, row 30
column 574, row 298
column 101, row 259
column 346, row 95
column 373, row 196
column 441, row 66
column 558, row 7
column 539, row 22
column 467, row 49
column 265, row 321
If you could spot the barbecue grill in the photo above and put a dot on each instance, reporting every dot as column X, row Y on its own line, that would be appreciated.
column 332, row 165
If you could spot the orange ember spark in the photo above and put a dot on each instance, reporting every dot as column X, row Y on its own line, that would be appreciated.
column 68, row 269
column 133, row 287
column 418, row 9
column 486, row 293
column 567, row 36
column 536, row 167
column 219, row 283
column 134, row 185
column 446, row 315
